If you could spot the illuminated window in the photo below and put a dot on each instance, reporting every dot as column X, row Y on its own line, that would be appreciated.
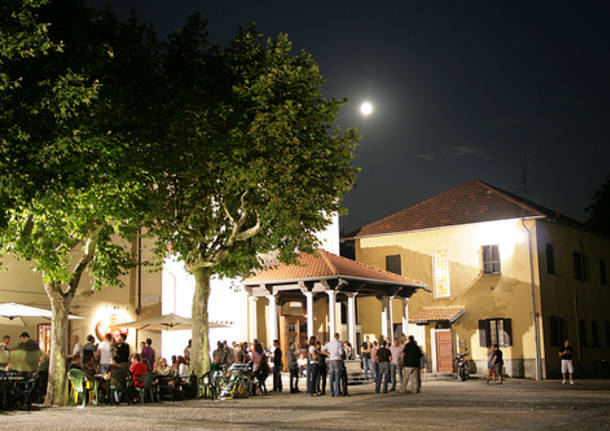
column 491, row 259
column 441, row 274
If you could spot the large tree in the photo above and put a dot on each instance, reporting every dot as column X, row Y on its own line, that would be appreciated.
column 73, row 131
column 249, row 162
column 599, row 211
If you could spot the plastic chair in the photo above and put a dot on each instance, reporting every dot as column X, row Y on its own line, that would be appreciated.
column 78, row 386
column 207, row 386
column 168, row 385
column 149, row 387
column 121, row 385
column 24, row 390
column 6, row 392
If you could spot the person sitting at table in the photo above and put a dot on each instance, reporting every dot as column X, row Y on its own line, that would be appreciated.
column 25, row 356
column 138, row 369
column 114, row 364
column 163, row 369
column 183, row 369
column 104, row 381
column 75, row 363
column 89, row 367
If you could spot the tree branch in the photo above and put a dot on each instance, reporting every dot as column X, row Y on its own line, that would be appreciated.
column 90, row 247
column 237, row 235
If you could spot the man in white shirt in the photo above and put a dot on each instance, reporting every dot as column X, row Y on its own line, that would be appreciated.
column 335, row 353
column 105, row 352
column 77, row 350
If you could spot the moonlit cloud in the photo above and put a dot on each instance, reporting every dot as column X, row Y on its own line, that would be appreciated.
column 458, row 151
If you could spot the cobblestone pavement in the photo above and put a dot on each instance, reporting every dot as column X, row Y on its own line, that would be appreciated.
column 442, row 405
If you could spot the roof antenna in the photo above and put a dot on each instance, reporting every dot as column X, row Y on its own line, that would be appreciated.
column 524, row 155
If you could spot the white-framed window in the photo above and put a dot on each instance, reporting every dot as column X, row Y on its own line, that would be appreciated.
column 441, row 274
column 491, row 259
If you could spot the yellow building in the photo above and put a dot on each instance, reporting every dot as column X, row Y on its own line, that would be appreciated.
column 494, row 262
column 99, row 310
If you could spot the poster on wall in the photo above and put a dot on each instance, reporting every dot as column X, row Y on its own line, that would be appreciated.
column 106, row 322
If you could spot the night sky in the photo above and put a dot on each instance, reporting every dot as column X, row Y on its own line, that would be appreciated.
column 461, row 90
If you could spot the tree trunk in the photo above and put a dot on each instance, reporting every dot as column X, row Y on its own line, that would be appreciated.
column 60, row 307
column 200, row 347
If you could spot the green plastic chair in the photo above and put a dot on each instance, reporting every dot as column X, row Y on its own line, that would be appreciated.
column 149, row 389
column 77, row 380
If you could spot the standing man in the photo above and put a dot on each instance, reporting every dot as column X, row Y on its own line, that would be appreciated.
column 497, row 362
column 411, row 359
column 77, row 350
column 293, row 366
column 105, row 352
column 335, row 355
column 89, row 348
column 374, row 360
column 148, row 354
column 366, row 357
column 5, row 351
column 123, row 351
column 384, row 356
column 312, row 367
column 395, row 365
column 277, row 367
column 567, row 364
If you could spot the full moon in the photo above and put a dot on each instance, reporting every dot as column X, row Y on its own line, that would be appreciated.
column 366, row 108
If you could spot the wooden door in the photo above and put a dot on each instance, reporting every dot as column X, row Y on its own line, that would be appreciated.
column 294, row 329
column 44, row 337
column 444, row 351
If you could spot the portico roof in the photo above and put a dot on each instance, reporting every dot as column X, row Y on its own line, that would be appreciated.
column 324, row 266
column 427, row 315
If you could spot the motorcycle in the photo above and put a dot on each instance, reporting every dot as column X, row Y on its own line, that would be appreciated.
column 463, row 372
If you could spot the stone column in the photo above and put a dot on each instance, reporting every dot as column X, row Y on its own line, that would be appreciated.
column 351, row 318
column 332, row 321
column 405, row 316
column 391, row 319
column 253, row 326
column 385, row 315
column 309, row 297
column 272, row 323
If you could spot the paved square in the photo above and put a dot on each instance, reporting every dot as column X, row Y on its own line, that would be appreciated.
column 442, row 405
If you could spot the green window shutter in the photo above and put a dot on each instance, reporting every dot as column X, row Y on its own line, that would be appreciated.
column 484, row 333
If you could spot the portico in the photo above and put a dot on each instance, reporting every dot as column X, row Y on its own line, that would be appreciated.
column 319, row 296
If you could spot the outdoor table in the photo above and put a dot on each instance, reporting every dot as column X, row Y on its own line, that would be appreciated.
column 16, row 378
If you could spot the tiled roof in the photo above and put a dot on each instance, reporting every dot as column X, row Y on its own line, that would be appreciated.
column 426, row 315
column 472, row 202
column 323, row 264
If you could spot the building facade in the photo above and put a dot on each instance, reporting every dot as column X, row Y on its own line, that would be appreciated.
column 502, row 271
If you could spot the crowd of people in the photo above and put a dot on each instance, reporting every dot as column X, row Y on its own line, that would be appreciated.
column 321, row 365
column 324, row 365
column 99, row 360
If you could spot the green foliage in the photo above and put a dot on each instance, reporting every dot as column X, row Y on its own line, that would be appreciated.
column 67, row 172
column 249, row 162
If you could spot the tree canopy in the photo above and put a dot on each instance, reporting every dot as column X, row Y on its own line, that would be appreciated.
column 250, row 163
column 74, row 196
column 599, row 211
